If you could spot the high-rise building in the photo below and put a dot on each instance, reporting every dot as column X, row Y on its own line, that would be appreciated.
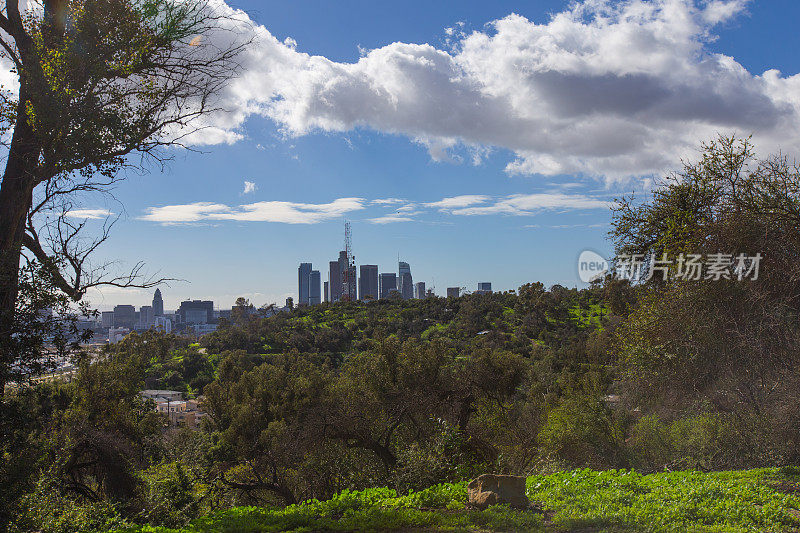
column 146, row 316
column 368, row 282
column 348, row 277
column 419, row 290
column 303, row 283
column 453, row 292
column 388, row 283
column 196, row 312
column 484, row 288
column 124, row 316
column 326, row 295
column 334, row 281
column 404, row 281
column 314, row 296
column 158, row 304
column 107, row 319
column 163, row 323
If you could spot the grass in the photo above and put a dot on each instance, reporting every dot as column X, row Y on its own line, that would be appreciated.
column 581, row 500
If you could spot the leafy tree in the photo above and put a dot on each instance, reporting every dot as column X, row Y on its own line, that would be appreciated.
column 100, row 83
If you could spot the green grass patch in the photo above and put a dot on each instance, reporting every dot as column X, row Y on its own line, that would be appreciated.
column 616, row 500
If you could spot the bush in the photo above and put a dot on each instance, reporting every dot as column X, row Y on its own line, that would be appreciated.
column 581, row 431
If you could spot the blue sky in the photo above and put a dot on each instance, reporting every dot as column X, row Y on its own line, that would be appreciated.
column 557, row 137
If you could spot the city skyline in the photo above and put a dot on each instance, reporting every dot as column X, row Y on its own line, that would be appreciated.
column 515, row 200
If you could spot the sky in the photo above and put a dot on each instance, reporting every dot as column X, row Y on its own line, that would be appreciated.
column 477, row 141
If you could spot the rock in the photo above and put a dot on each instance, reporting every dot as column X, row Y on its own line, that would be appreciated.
column 491, row 489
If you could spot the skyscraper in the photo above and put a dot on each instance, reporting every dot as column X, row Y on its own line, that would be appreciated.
column 368, row 282
column 146, row 316
column 388, row 283
column 158, row 304
column 314, row 297
column 334, row 281
column 453, row 292
column 326, row 292
column 348, row 277
column 404, row 280
column 303, row 283
column 419, row 290
column 124, row 316
column 484, row 288
column 196, row 312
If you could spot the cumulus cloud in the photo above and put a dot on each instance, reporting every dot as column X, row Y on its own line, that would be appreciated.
column 274, row 211
column 603, row 88
column 249, row 187
column 91, row 214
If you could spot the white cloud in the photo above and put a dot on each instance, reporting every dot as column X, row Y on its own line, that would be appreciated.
column 530, row 204
column 388, row 201
column 604, row 88
column 249, row 187
column 283, row 212
column 390, row 219
column 465, row 200
column 92, row 214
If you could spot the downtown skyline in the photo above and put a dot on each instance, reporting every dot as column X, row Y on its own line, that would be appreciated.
column 512, row 203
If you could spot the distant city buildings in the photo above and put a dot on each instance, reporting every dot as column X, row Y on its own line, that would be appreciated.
column 315, row 292
column 388, row 283
column 368, row 283
column 419, row 290
column 453, row 292
column 158, row 304
column 405, row 282
column 196, row 312
column 124, row 317
column 304, row 283
column 484, row 288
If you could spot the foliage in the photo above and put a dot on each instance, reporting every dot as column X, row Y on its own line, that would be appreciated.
column 621, row 500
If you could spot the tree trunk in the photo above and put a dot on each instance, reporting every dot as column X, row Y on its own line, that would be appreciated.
column 16, row 193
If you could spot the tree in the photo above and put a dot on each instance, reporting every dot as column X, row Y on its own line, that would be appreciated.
column 104, row 86
column 726, row 345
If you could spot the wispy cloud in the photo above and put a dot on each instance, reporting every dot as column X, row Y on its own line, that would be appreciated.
column 530, row 204
column 92, row 214
column 465, row 200
column 281, row 212
column 388, row 201
column 390, row 219
column 249, row 187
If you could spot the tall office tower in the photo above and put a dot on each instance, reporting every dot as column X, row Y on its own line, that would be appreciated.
column 124, row 316
column 196, row 312
column 453, row 292
column 314, row 297
column 303, row 283
column 348, row 278
column 419, row 290
column 484, row 288
column 368, row 282
column 107, row 319
column 334, row 281
column 388, row 283
column 326, row 295
column 158, row 304
column 405, row 285
column 146, row 316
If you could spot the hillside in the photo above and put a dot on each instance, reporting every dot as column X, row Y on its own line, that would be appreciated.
column 579, row 500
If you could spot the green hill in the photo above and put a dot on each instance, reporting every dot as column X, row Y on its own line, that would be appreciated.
column 579, row 500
